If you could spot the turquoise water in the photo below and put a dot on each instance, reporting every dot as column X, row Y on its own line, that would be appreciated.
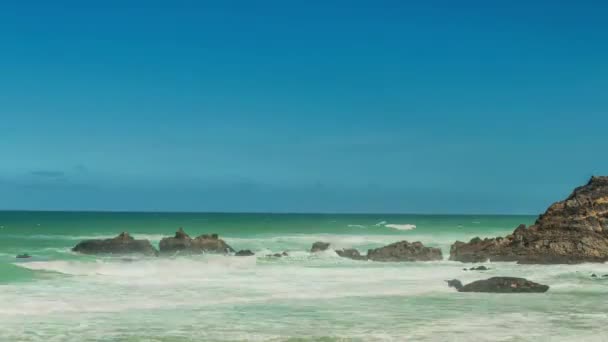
column 61, row 296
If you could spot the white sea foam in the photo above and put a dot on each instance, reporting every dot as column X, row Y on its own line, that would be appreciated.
column 232, row 297
column 401, row 226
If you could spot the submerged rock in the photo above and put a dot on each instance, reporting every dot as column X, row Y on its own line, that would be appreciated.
column 277, row 255
column 244, row 252
column 571, row 231
column 405, row 251
column 351, row 253
column 499, row 285
column 319, row 246
column 121, row 244
column 183, row 243
column 478, row 268
column 23, row 256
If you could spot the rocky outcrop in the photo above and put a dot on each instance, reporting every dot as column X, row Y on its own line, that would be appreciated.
column 499, row 285
column 244, row 252
column 182, row 243
column 319, row 246
column 571, row 231
column 121, row 244
column 405, row 251
column 398, row 251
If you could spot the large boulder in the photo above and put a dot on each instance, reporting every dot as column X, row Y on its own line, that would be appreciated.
column 319, row 246
column 182, row 243
column 571, row 231
column 405, row 251
column 121, row 244
column 499, row 285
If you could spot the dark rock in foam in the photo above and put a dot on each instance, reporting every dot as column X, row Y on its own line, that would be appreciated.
column 121, row 244
column 499, row 285
column 182, row 243
column 405, row 251
column 319, row 246
column 244, row 252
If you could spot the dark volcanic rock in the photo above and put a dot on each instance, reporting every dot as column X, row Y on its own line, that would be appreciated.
column 499, row 285
column 184, row 244
column 351, row 253
column 478, row 268
column 278, row 255
column 319, row 246
column 244, row 252
column 405, row 251
column 122, row 244
column 571, row 231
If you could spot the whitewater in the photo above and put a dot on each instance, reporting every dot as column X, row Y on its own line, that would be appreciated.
column 58, row 295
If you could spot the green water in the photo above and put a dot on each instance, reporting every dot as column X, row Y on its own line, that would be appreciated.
column 60, row 296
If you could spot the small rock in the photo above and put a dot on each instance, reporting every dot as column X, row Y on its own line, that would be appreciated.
column 23, row 256
column 479, row 268
column 244, row 252
column 351, row 253
column 319, row 246
column 499, row 285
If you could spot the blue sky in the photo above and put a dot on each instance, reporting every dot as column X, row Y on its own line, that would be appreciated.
column 301, row 106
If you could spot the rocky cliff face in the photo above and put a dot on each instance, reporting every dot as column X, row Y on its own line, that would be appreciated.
column 571, row 231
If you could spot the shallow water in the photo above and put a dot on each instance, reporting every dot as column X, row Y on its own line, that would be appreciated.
column 61, row 296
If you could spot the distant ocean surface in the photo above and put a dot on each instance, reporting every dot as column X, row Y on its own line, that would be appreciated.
column 58, row 295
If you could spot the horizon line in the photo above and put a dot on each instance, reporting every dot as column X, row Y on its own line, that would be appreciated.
column 110, row 211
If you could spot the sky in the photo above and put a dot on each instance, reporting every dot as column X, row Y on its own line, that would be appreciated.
column 433, row 107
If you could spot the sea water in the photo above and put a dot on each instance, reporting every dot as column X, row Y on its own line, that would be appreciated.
column 58, row 295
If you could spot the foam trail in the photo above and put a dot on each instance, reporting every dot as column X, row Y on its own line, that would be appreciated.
column 401, row 226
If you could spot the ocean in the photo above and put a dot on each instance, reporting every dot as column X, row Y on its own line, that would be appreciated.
column 57, row 295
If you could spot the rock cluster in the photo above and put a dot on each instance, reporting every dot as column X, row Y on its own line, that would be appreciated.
column 182, row 243
column 571, row 231
column 398, row 251
column 121, row 244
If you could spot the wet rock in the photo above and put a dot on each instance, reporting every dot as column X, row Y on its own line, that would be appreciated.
column 405, row 251
column 278, row 255
column 571, row 231
column 244, row 252
column 479, row 268
column 182, row 243
column 593, row 275
column 121, row 244
column 499, row 285
column 351, row 253
column 319, row 246
column 23, row 256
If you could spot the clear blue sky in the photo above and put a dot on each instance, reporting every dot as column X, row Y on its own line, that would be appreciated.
column 314, row 106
